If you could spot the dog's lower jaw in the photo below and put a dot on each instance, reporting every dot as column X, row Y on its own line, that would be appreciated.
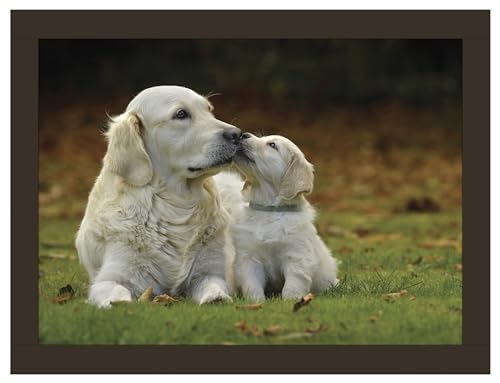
column 213, row 166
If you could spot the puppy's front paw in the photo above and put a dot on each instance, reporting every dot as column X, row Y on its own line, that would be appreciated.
column 254, row 295
column 214, row 294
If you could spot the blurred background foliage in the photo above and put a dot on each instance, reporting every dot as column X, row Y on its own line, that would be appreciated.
column 354, row 72
column 380, row 119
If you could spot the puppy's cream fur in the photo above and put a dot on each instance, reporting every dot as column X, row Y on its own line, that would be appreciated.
column 154, row 216
column 276, row 251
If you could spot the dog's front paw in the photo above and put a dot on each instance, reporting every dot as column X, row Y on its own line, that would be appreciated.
column 214, row 294
column 103, row 294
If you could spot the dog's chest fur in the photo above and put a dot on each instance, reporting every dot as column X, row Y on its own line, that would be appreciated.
column 164, row 232
column 150, row 220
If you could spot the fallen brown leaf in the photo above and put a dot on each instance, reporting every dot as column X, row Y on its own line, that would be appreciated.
column 412, row 298
column 304, row 301
column 314, row 330
column 242, row 326
column 65, row 294
column 253, row 306
column 147, row 295
column 392, row 296
column 164, row 299
column 458, row 267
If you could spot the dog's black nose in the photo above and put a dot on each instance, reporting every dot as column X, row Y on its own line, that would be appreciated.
column 244, row 136
column 232, row 134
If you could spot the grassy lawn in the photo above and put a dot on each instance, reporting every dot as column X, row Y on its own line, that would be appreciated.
column 379, row 259
column 373, row 170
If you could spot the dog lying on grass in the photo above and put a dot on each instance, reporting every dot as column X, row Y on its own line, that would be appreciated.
column 154, row 216
column 278, row 249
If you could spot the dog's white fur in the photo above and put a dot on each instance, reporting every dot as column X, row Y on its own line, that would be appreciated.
column 154, row 216
column 276, row 251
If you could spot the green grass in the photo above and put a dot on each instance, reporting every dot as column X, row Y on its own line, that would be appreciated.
column 379, row 254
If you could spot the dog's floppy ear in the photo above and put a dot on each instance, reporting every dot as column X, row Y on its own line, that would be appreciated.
column 126, row 153
column 298, row 178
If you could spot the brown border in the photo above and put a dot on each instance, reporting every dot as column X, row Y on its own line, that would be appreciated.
column 473, row 27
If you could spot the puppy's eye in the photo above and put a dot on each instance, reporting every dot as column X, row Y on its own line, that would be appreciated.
column 181, row 114
column 273, row 145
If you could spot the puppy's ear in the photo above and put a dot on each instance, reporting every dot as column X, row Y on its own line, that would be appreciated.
column 298, row 178
column 126, row 153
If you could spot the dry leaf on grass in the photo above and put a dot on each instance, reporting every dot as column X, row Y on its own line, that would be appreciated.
column 253, row 306
column 412, row 298
column 304, row 301
column 242, row 326
column 313, row 330
column 458, row 267
column 393, row 296
column 65, row 294
column 147, row 295
column 255, row 331
column 164, row 299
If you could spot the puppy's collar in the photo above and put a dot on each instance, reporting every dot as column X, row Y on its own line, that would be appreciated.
column 283, row 208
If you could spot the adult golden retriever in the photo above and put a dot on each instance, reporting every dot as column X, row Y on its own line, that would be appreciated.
column 154, row 217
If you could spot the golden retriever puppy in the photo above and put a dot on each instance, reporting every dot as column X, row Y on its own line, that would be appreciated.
column 278, row 249
column 154, row 216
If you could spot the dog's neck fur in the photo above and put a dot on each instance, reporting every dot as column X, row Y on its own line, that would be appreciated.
column 266, row 194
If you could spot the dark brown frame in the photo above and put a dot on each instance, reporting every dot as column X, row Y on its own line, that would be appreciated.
column 473, row 27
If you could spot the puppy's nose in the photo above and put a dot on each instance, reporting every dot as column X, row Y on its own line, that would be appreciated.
column 244, row 136
column 232, row 134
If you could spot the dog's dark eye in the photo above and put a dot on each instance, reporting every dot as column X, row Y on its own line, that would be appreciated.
column 181, row 114
column 273, row 145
